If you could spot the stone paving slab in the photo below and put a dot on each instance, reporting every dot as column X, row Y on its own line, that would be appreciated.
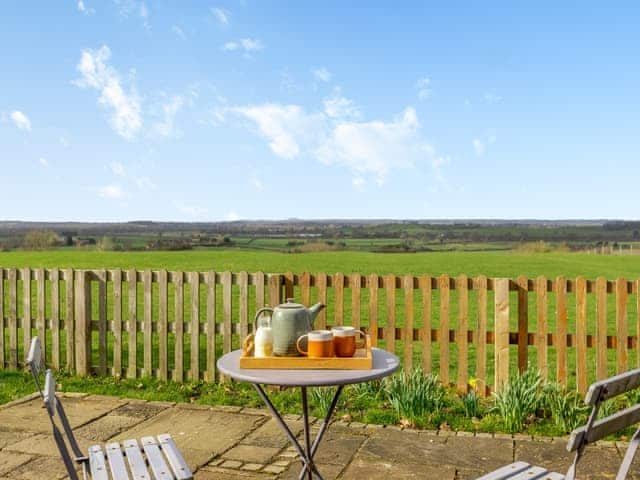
column 230, row 443
column 200, row 434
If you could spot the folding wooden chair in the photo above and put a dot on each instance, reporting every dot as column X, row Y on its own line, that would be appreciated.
column 153, row 458
column 593, row 431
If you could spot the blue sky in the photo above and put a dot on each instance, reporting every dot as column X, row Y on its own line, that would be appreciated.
column 127, row 110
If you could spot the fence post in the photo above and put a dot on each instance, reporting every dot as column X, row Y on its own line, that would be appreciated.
column 501, row 331
column 83, row 322
column 275, row 289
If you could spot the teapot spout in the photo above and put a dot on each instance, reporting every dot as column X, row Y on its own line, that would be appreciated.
column 314, row 310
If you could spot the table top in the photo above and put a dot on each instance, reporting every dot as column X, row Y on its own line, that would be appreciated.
column 384, row 364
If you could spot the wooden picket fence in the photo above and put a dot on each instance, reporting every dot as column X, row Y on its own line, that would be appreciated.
column 461, row 328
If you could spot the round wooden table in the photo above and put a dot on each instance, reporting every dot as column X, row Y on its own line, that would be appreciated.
column 384, row 364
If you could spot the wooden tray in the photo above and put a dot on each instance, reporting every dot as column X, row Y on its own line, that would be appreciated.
column 362, row 360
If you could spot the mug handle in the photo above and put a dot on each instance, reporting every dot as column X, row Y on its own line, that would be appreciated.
column 298, row 345
column 363, row 339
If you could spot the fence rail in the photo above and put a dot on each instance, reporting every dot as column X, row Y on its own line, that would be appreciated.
column 173, row 325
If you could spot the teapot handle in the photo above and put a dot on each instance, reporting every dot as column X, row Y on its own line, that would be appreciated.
column 260, row 312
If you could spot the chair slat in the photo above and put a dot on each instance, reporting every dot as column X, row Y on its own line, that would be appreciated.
column 178, row 464
column 135, row 460
column 97, row 463
column 506, row 472
column 159, row 467
column 606, row 426
column 116, row 462
column 535, row 473
column 613, row 386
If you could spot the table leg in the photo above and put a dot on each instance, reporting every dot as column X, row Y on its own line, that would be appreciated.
column 307, row 439
column 323, row 428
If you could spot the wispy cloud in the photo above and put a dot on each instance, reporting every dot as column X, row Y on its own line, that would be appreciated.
column 424, row 88
column 170, row 108
column 491, row 98
column 123, row 106
column 358, row 183
column 232, row 216
column 178, row 31
column 256, row 182
column 43, row 162
column 322, row 74
column 82, row 7
column 134, row 8
column 248, row 45
column 117, row 169
column 480, row 144
column 20, row 120
column 111, row 191
column 338, row 106
column 222, row 16
column 145, row 184
column 64, row 141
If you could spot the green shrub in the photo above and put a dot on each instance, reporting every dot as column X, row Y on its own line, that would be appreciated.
column 414, row 396
column 566, row 408
column 471, row 405
column 518, row 399
column 322, row 397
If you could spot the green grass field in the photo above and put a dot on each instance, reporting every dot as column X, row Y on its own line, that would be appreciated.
column 491, row 264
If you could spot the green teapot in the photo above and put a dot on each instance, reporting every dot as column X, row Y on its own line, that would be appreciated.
column 289, row 321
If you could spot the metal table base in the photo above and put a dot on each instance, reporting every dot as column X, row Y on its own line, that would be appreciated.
column 307, row 453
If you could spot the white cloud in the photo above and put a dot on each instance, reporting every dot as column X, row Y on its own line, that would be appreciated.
column 322, row 74
column 43, row 161
column 492, row 98
column 231, row 216
column 84, row 9
column 20, row 120
column 117, row 169
column 365, row 148
column 256, row 182
column 358, row 183
column 127, row 8
column 286, row 127
column 246, row 44
column 223, row 16
column 178, row 31
column 63, row 141
column 170, row 109
column 145, row 184
column 111, row 191
column 376, row 147
column 337, row 106
column 124, row 107
column 144, row 15
column 423, row 86
column 479, row 146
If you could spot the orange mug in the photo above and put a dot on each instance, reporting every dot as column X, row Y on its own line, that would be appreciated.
column 344, row 341
column 319, row 344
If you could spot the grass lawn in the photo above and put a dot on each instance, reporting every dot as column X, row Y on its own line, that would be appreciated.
column 491, row 264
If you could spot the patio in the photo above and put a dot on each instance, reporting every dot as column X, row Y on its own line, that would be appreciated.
column 234, row 442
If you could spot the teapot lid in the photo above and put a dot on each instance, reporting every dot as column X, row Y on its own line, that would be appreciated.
column 290, row 305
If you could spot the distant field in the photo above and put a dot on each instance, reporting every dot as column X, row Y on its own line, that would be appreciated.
column 492, row 264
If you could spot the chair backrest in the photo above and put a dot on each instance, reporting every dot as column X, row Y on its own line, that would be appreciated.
column 35, row 360
column 57, row 415
column 595, row 430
